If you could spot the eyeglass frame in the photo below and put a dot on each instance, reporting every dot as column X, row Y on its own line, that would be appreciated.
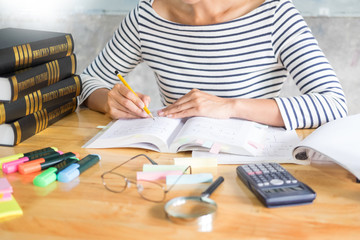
column 130, row 181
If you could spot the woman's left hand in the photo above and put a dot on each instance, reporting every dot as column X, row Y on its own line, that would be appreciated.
column 200, row 104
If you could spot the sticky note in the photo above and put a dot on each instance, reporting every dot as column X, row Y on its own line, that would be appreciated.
column 10, row 208
column 207, row 144
column 5, row 190
column 153, row 176
column 215, row 148
column 189, row 178
column 204, row 162
column 162, row 168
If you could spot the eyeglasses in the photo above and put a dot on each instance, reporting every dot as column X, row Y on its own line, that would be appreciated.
column 149, row 190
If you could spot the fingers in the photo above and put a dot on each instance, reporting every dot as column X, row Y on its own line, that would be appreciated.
column 200, row 104
column 122, row 103
column 185, row 106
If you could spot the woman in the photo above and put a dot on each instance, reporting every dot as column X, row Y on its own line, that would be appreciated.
column 220, row 59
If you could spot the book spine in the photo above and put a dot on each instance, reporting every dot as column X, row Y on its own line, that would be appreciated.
column 46, row 97
column 32, row 79
column 35, row 53
column 34, row 123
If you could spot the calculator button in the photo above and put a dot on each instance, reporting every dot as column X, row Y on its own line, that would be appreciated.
column 277, row 182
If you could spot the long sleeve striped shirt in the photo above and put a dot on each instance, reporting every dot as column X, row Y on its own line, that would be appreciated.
column 248, row 57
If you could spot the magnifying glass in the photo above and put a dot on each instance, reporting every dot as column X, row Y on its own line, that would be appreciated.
column 198, row 210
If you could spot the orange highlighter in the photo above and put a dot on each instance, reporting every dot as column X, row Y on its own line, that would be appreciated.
column 41, row 164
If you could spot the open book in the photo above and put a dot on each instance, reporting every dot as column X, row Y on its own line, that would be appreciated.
column 174, row 135
column 335, row 141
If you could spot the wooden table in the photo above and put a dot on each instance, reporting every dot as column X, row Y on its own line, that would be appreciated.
column 83, row 209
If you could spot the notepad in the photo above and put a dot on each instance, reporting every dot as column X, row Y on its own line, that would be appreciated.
column 175, row 135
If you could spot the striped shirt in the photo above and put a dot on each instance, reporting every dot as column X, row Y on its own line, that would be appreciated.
column 248, row 57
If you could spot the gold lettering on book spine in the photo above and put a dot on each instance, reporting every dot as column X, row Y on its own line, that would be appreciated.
column 51, row 73
column 29, row 53
column 16, row 55
column 74, row 101
column 41, row 121
column 15, row 88
column 27, row 103
column 26, row 56
column 78, row 85
column 2, row 113
column 21, row 56
column 73, row 64
column 31, row 100
column 18, row 132
column 56, row 63
column 46, row 117
column 37, row 122
column 40, row 99
column 69, row 45
column 36, row 100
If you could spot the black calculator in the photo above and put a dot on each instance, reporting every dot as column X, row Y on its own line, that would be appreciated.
column 274, row 186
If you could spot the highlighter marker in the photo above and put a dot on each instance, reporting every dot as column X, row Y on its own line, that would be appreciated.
column 40, row 164
column 11, row 167
column 28, row 154
column 49, row 175
column 75, row 169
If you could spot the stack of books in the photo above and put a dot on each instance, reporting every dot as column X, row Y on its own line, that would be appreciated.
column 38, row 85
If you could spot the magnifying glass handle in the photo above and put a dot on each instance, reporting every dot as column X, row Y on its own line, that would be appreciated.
column 212, row 187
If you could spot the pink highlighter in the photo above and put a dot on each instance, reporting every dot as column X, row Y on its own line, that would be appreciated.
column 11, row 167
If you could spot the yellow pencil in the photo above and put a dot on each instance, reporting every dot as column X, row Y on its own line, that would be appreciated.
column 128, row 86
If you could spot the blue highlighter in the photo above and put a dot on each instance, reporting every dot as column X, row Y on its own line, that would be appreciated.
column 75, row 169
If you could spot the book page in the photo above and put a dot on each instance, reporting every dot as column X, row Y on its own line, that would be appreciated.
column 234, row 135
column 278, row 145
column 337, row 140
column 134, row 132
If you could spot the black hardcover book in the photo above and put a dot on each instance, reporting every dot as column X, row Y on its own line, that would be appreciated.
column 20, row 130
column 22, row 48
column 18, row 84
column 43, row 98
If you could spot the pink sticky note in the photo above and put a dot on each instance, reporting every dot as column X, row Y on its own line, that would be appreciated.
column 5, row 189
column 153, row 176
column 5, row 197
column 215, row 148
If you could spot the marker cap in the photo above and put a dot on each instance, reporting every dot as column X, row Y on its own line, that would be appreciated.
column 45, row 178
column 11, row 167
column 11, row 158
column 69, row 173
column 88, row 162
column 30, row 167
column 75, row 169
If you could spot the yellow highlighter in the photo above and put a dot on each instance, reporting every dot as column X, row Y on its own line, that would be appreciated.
column 128, row 86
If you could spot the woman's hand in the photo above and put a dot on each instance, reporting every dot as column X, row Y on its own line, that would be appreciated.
column 122, row 103
column 200, row 104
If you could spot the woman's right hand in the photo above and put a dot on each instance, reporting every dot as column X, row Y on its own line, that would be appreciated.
column 122, row 103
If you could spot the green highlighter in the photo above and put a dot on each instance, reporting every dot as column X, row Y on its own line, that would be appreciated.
column 49, row 175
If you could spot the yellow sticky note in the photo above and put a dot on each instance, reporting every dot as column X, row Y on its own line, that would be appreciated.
column 205, row 162
column 9, row 209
